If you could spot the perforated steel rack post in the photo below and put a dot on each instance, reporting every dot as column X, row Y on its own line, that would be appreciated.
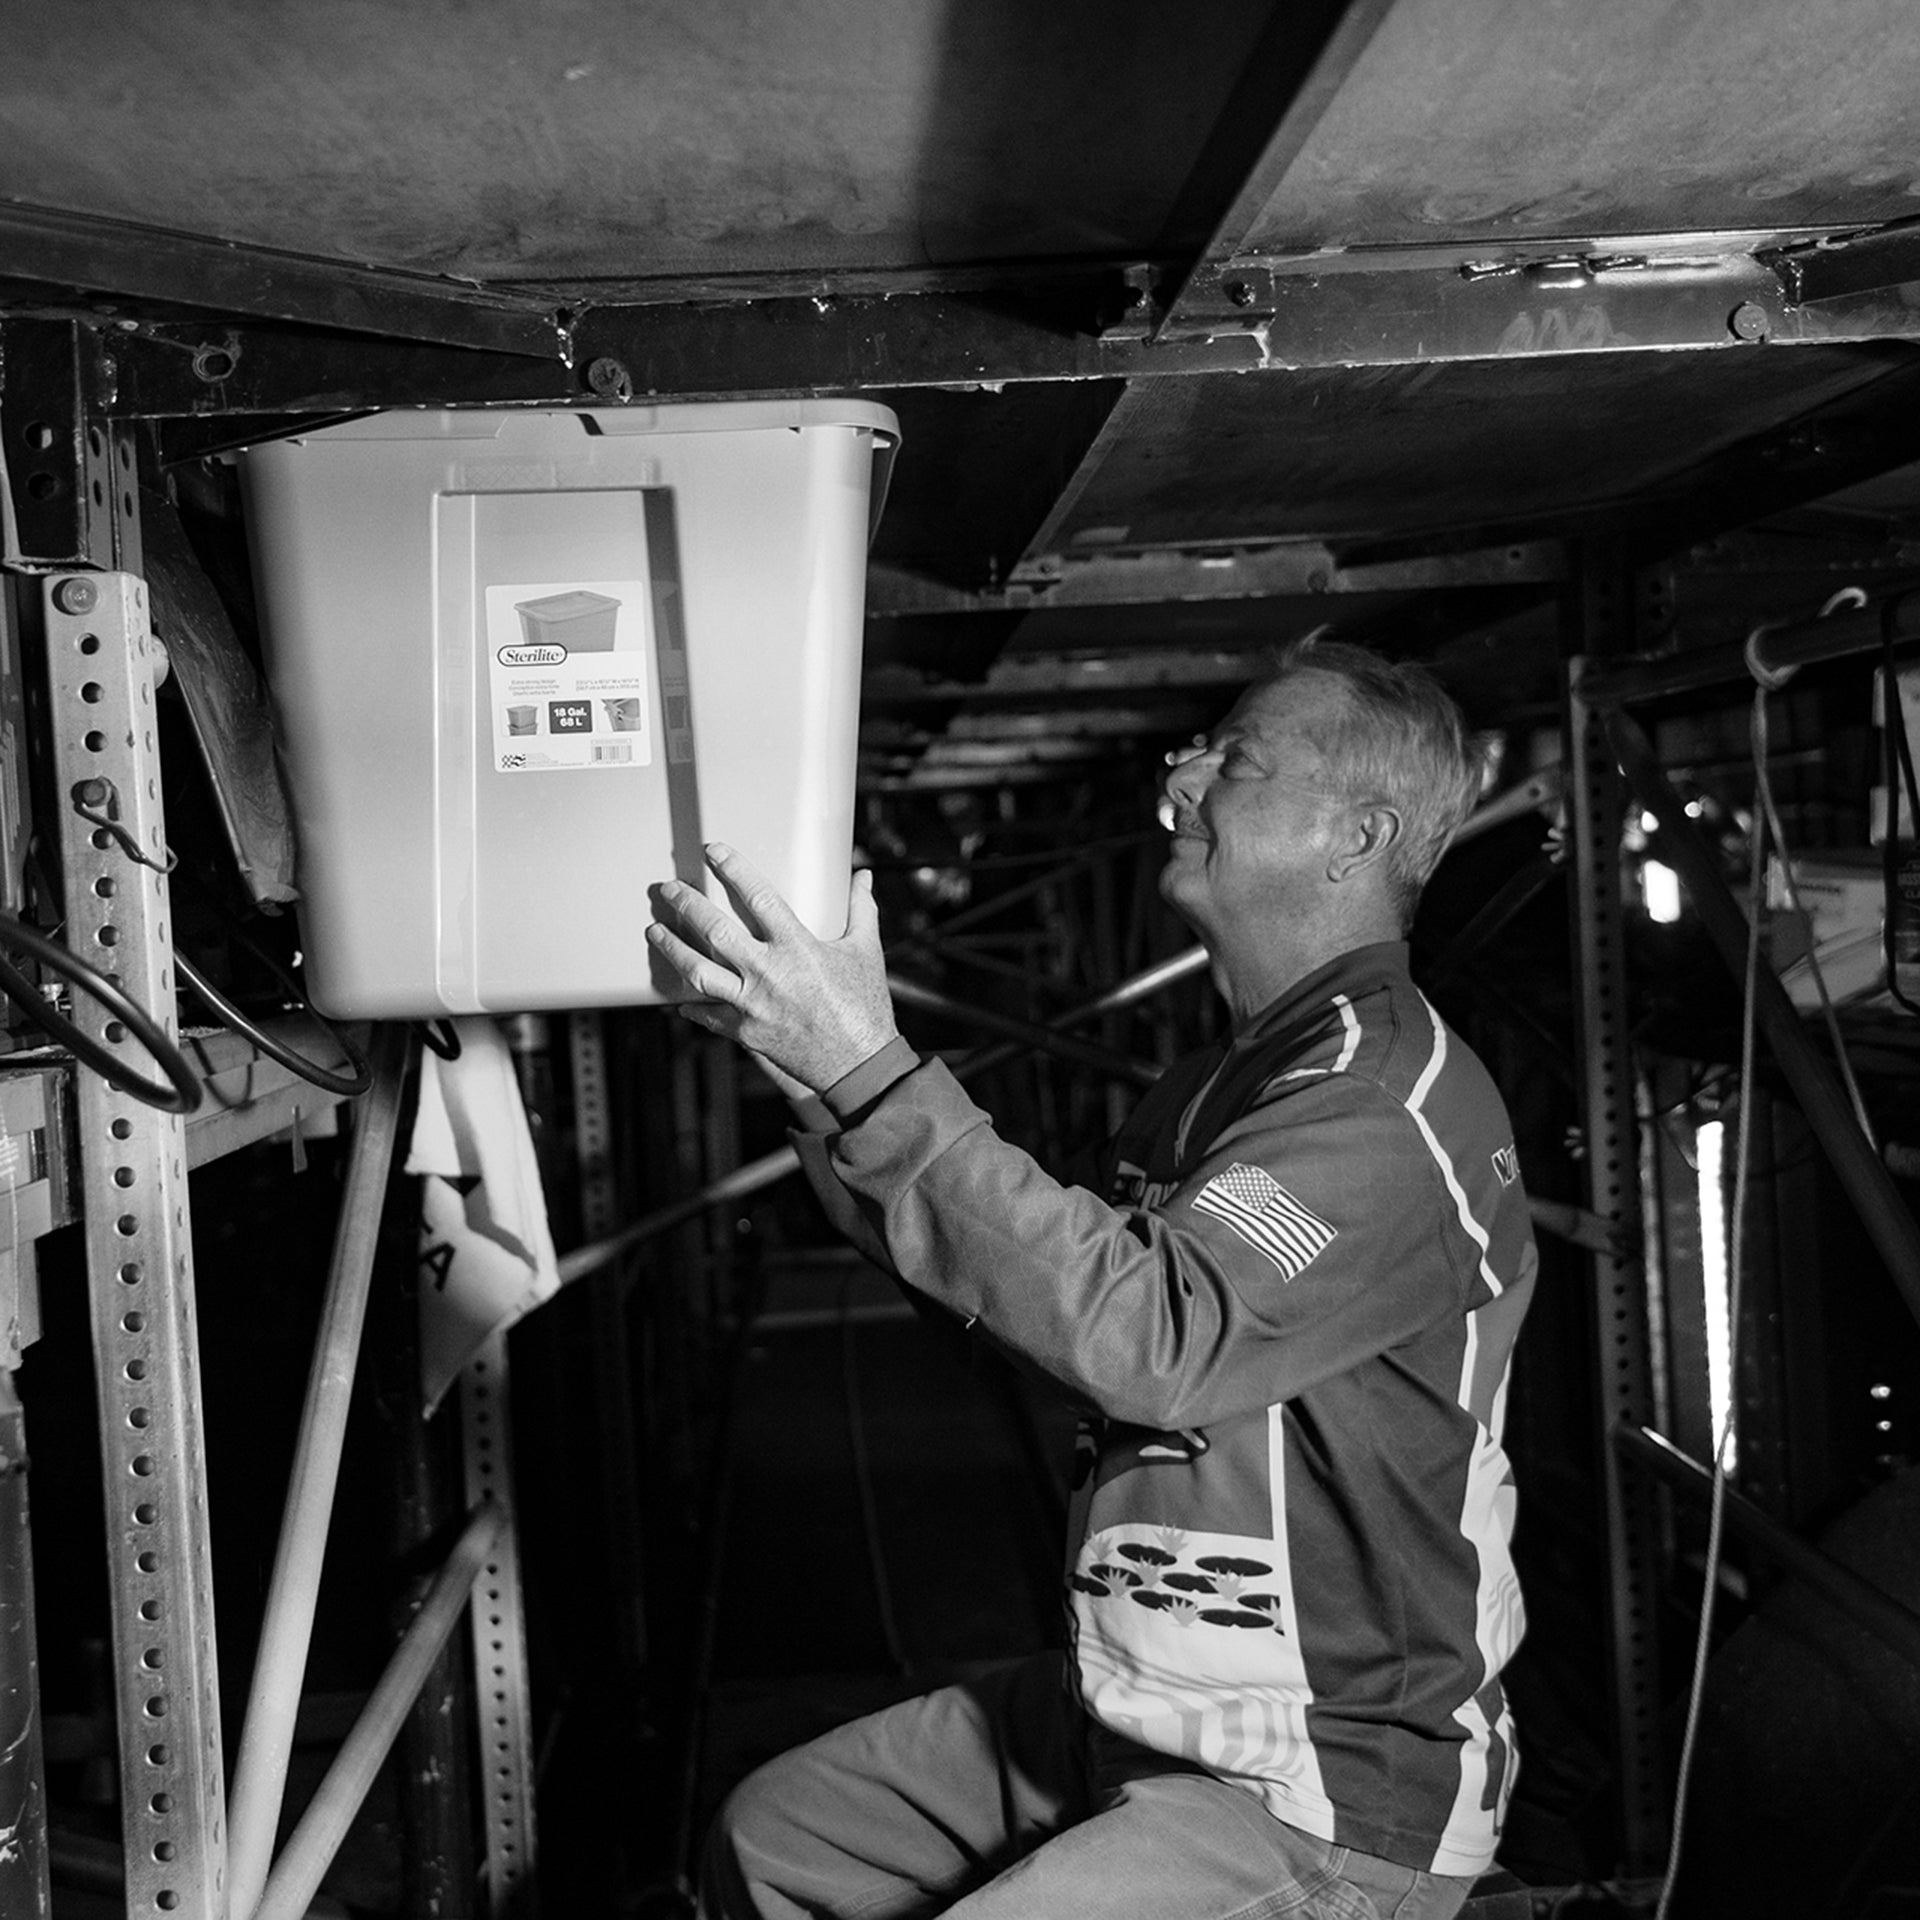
column 101, row 661
column 499, row 1638
column 607, row 1310
column 1622, row 1362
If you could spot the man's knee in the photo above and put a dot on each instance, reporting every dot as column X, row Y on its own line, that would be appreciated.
column 762, row 1822
column 760, row 1804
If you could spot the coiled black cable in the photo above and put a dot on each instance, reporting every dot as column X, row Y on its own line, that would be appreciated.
column 441, row 1037
column 356, row 1080
column 179, row 1092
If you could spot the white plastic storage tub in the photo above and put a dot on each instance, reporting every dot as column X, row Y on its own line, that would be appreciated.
column 524, row 664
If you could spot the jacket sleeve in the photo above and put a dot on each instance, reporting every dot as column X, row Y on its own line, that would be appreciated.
column 1303, row 1243
column 840, row 1206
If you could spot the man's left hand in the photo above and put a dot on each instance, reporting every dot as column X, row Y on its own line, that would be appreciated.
column 812, row 1008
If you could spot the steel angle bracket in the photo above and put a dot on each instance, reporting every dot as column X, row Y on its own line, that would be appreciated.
column 70, row 473
column 101, row 658
column 1838, row 265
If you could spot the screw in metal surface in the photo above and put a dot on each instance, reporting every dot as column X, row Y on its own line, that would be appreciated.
column 1749, row 322
column 76, row 596
column 610, row 379
column 212, row 363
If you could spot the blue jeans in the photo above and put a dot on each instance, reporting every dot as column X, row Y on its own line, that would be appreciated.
column 994, row 1800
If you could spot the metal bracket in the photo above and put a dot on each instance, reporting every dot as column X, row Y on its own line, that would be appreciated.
column 133, row 1159
column 71, row 470
column 1836, row 265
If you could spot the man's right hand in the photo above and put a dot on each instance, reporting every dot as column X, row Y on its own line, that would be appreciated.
column 812, row 1009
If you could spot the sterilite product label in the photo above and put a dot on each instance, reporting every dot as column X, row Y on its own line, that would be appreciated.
column 567, row 675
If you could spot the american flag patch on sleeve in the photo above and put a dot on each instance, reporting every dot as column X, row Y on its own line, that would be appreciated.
column 1265, row 1215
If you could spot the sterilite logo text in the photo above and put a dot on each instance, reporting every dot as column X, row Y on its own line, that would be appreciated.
column 532, row 656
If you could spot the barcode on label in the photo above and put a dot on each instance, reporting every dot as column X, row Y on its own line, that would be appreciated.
column 612, row 752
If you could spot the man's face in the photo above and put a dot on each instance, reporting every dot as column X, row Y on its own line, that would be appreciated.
column 1254, row 811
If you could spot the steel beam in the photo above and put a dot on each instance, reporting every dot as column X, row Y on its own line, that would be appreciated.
column 1338, row 310
column 1371, row 307
column 1770, row 654
column 1286, row 100
column 140, row 264
column 1051, row 676
column 1836, row 265
column 1280, row 569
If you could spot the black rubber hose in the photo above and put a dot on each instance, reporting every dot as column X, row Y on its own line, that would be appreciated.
column 178, row 1093
column 356, row 1080
column 439, row 1037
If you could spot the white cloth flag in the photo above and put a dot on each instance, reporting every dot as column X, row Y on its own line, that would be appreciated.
column 486, row 1254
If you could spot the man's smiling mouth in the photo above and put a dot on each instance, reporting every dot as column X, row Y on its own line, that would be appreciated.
column 1183, row 826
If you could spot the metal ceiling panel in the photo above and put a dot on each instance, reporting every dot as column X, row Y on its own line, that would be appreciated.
column 608, row 139
column 1501, row 119
column 1374, row 453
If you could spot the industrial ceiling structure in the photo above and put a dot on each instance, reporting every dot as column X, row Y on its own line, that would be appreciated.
column 1511, row 335
column 1205, row 325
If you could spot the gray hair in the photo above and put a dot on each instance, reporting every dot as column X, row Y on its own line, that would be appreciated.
column 1400, row 741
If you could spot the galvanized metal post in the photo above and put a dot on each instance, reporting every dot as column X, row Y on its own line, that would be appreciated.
column 1601, row 621
column 101, row 667
column 499, row 1638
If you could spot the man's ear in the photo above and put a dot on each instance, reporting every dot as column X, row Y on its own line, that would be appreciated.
column 1370, row 832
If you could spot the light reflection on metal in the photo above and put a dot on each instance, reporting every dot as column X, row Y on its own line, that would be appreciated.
column 1709, row 1142
column 1882, row 1208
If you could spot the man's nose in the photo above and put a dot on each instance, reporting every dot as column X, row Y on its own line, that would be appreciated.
column 1188, row 771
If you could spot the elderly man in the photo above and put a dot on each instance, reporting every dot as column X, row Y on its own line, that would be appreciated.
column 1288, row 1317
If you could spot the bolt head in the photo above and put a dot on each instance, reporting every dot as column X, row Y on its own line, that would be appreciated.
column 610, row 379
column 76, row 596
column 1749, row 322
